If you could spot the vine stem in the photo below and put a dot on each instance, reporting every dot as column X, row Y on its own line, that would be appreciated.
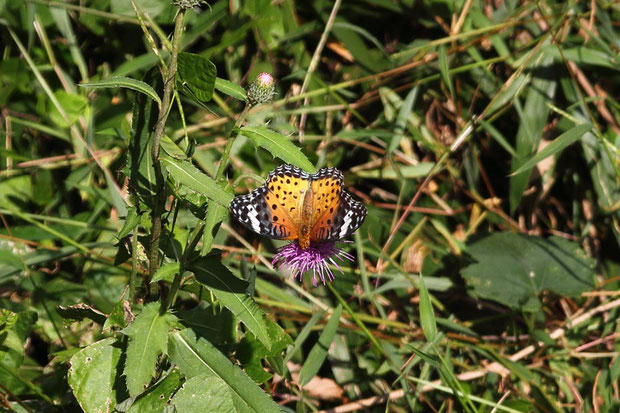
column 164, row 109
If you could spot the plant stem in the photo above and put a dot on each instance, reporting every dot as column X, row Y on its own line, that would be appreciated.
column 197, row 232
column 229, row 143
column 159, row 132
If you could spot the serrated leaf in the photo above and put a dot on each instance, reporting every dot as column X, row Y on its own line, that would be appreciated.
column 148, row 338
column 157, row 396
column 201, row 358
column 317, row 355
column 187, row 174
column 166, row 272
column 231, row 89
column 231, row 293
column 93, row 375
column 126, row 82
column 427, row 315
column 278, row 145
column 567, row 138
column 198, row 73
column 514, row 268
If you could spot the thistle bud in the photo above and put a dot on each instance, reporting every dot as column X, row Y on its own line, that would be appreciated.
column 262, row 89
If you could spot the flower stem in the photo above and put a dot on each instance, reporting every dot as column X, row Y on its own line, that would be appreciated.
column 160, row 199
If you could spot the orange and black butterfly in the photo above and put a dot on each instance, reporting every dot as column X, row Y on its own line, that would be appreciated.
column 296, row 205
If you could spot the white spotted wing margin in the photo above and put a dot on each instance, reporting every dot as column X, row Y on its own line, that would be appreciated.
column 247, row 209
column 350, row 216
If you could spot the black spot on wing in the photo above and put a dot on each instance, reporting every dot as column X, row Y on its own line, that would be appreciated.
column 350, row 213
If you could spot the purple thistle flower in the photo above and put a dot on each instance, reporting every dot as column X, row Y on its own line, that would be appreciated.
column 295, row 261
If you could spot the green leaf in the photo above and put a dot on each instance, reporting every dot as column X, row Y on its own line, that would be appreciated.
column 515, row 268
column 567, row 138
column 318, row 353
column 131, row 221
column 126, row 82
column 427, row 315
column 166, row 272
column 215, row 214
column 231, row 293
column 15, row 328
column 278, row 145
column 73, row 106
column 148, row 336
column 187, row 174
column 81, row 311
column 93, row 376
column 157, row 396
column 231, row 89
column 139, row 168
column 198, row 73
column 201, row 358
column 444, row 69
column 206, row 394
column 403, row 117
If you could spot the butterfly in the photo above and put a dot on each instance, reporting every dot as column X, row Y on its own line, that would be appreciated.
column 296, row 205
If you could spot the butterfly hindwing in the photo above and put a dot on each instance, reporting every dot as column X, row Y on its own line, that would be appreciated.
column 326, row 190
column 349, row 217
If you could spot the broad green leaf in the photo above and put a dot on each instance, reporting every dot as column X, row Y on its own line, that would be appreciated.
column 250, row 351
column 278, row 145
column 231, row 89
column 317, row 355
column 198, row 73
column 215, row 214
column 187, row 174
column 157, row 396
column 93, row 376
column 171, row 148
column 208, row 394
column 427, row 315
column 558, row 144
column 200, row 358
column 166, row 272
column 148, row 336
column 231, row 293
column 513, row 269
column 126, row 82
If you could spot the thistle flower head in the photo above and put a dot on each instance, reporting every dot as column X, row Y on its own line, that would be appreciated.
column 295, row 261
column 262, row 89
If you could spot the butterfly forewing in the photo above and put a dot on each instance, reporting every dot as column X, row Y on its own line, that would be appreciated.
column 273, row 210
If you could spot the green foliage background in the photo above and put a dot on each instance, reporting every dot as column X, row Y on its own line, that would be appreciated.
column 482, row 136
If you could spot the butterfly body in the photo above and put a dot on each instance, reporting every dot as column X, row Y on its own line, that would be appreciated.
column 295, row 205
